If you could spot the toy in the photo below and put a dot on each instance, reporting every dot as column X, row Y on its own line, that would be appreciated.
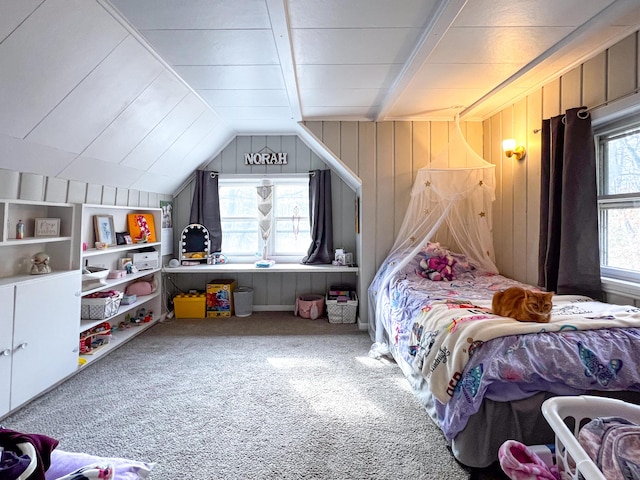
column 40, row 264
column 438, row 264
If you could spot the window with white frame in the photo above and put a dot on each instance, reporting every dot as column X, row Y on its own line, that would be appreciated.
column 290, row 234
column 619, row 199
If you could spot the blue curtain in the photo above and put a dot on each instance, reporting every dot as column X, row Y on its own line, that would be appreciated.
column 321, row 218
column 205, row 207
column 568, row 257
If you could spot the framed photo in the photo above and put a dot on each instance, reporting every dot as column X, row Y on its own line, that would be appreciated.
column 105, row 232
column 47, row 227
column 120, row 238
column 128, row 240
column 124, row 261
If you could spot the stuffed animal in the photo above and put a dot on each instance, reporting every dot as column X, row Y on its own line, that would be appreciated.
column 437, row 265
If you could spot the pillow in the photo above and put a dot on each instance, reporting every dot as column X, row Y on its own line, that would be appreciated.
column 95, row 471
column 63, row 463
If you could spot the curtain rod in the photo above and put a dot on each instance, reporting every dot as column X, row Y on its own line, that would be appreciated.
column 602, row 104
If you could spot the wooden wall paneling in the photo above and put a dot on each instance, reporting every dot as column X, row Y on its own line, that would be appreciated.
column 368, row 206
column 496, row 158
column 108, row 195
column 571, row 89
column 594, row 80
column 273, row 143
column 122, row 196
column 520, row 254
column 303, row 284
column 534, row 142
column 474, row 136
column 316, row 162
column 622, row 67
column 384, row 193
column 290, row 145
column 237, row 148
column 273, row 288
column 420, row 146
column 230, row 156
column 331, row 137
column 76, row 192
column 403, row 172
column 349, row 145
column 9, row 184
column 303, row 157
column 507, row 195
column 289, row 283
column 551, row 99
column 31, row 186
column 94, row 194
column 439, row 139
column 134, row 199
column 148, row 199
column 56, row 190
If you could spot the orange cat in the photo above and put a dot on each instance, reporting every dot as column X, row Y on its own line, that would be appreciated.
column 523, row 305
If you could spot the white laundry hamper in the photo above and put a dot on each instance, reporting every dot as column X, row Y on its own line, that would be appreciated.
column 243, row 301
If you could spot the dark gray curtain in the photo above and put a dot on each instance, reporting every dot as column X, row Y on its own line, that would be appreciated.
column 205, row 207
column 321, row 218
column 568, row 258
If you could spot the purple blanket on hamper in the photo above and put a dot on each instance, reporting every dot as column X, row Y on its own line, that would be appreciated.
column 511, row 367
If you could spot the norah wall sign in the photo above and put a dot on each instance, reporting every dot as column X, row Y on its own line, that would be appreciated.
column 270, row 158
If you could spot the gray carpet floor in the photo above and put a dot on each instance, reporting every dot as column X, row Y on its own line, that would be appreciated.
column 269, row 396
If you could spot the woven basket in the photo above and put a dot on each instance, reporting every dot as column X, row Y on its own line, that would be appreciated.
column 98, row 308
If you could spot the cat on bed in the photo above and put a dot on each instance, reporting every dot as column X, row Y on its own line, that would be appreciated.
column 523, row 305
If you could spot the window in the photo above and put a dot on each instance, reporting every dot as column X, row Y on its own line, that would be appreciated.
column 619, row 199
column 286, row 222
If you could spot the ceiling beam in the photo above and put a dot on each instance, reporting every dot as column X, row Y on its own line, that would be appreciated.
column 280, row 26
column 444, row 15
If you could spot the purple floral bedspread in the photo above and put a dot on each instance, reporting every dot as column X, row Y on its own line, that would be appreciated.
column 510, row 367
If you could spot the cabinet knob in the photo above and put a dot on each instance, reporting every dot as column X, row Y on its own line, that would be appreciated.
column 22, row 346
column 6, row 352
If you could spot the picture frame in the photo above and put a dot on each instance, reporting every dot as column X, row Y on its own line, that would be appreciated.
column 141, row 227
column 120, row 238
column 104, row 229
column 46, row 227
column 124, row 261
column 128, row 240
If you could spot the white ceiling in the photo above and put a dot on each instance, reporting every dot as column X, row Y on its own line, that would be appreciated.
column 139, row 93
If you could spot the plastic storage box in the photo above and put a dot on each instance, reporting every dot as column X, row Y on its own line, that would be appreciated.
column 342, row 309
column 572, row 460
column 189, row 305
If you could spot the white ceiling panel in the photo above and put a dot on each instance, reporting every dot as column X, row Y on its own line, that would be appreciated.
column 361, row 97
column 195, row 14
column 215, row 47
column 496, row 44
column 434, row 101
column 138, row 119
column 360, row 13
column 264, row 113
column 91, row 170
column 353, row 46
column 99, row 98
column 178, row 151
column 241, row 77
column 28, row 157
column 13, row 13
column 347, row 76
column 165, row 133
column 339, row 113
column 461, row 75
column 245, row 98
column 43, row 60
column 509, row 13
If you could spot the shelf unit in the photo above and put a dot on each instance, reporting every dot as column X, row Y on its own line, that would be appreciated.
column 110, row 258
column 31, row 362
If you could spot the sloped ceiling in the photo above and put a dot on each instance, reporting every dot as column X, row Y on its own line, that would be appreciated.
column 139, row 93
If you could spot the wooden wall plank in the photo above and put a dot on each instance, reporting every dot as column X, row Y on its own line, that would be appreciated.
column 384, row 190
column 534, row 146
column 571, row 93
column 551, row 99
column 594, row 81
column 349, row 145
column 519, row 248
column 403, row 175
column 622, row 68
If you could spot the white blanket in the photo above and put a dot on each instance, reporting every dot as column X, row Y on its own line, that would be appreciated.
column 446, row 333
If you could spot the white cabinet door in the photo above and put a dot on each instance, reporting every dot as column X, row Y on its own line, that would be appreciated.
column 6, row 346
column 45, row 338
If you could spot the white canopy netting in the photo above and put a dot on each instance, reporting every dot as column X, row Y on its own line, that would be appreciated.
column 450, row 203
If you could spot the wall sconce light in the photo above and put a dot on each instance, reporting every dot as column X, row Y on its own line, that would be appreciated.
column 510, row 149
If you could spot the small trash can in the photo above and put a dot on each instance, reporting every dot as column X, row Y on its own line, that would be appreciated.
column 243, row 301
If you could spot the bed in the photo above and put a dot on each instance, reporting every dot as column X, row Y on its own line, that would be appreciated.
column 481, row 377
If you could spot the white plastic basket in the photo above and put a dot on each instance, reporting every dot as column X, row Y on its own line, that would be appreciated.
column 571, row 458
column 342, row 311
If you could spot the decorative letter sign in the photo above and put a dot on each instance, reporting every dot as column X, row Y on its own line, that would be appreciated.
column 271, row 158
